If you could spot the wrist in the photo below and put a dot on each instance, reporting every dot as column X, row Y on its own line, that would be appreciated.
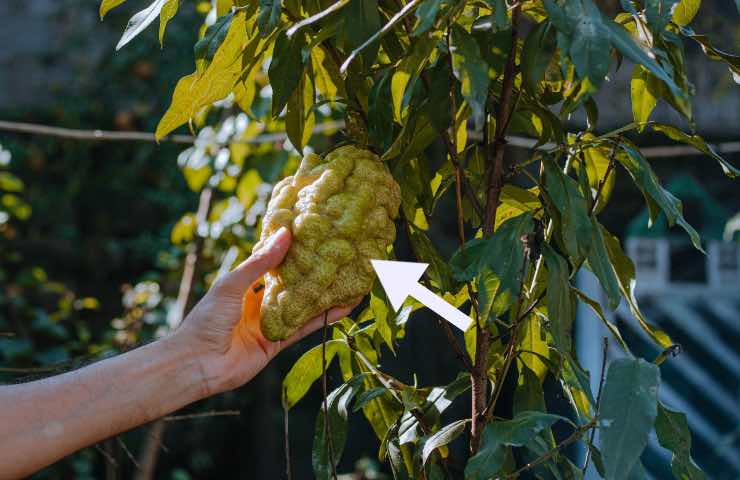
column 192, row 374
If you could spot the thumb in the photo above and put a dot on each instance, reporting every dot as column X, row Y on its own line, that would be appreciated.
column 269, row 256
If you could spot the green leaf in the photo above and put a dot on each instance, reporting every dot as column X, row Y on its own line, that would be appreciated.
column 515, row 432
column 426, row 14
column 697, row 142
column 285, row 69
column 528, row 394
column 628, row 410
column 269, row 15
column 673, row 433
column 625, row 270
column 409, row 69
column 537, row 52
column 337, row 403
column 365, row 397
column 470, row 69
column 589, row 47
column 198, row 90
column 623, row 41
column 572, row 208
column 306, row 370
column 497, row 264
column 206, row 47
column 425, row 251
column 442, row 437
column 380, row 113
column 300, row 119
column 108, row 5
column 140, row 21
column 658, row 13
column 362, row 20
column 501, row 15
column 561, row 306
column 685, row 11
column 646, row 180
column 599, row 264
column 644, row 94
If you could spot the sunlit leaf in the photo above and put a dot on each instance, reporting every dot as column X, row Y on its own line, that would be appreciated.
column 685, row 11
column 442, row 437
column 300, row 119
column 169, row 10
column 140, row 21
column 198, row 90
column 697, row 142
column 306, row 370
column 644, row 94
column 108, row 5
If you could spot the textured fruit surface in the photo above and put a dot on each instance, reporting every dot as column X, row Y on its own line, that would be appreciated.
column 340, row 210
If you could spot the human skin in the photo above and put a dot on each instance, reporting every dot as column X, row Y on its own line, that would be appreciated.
column 214, row 350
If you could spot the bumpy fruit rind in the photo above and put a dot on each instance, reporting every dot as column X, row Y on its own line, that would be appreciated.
column 340, row 210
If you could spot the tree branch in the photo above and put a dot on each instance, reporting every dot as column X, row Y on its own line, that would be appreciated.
column 494, row 184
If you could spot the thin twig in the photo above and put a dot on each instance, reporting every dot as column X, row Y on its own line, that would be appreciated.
column 212, row 413
column 128, row 453
column 286, row 440
column 129, row 136
column 108, row 457
column 327, row 426
column 598, row 402
column 603, row 180
column 577, row 433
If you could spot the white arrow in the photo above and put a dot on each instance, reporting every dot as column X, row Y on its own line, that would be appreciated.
column 401, row 280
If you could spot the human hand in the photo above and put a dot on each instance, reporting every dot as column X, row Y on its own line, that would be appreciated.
column 230, row 348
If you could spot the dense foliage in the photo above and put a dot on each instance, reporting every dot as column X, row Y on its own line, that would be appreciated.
column 404, row 77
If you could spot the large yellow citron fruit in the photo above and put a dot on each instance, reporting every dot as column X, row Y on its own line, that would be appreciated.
column 340, row 210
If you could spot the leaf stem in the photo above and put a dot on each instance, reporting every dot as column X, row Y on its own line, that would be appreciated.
column 327, row 426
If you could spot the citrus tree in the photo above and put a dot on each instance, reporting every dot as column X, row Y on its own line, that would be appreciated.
column 404, row 78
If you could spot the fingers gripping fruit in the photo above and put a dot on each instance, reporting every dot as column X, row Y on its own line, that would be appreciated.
column 340, row 210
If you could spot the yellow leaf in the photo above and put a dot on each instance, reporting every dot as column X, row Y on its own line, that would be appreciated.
column 533, row 346
column 169, row 10
column 108, row 5
column 196, row 91
column 326, row 74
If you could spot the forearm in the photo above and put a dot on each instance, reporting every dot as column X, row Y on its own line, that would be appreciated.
column 48, row 419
